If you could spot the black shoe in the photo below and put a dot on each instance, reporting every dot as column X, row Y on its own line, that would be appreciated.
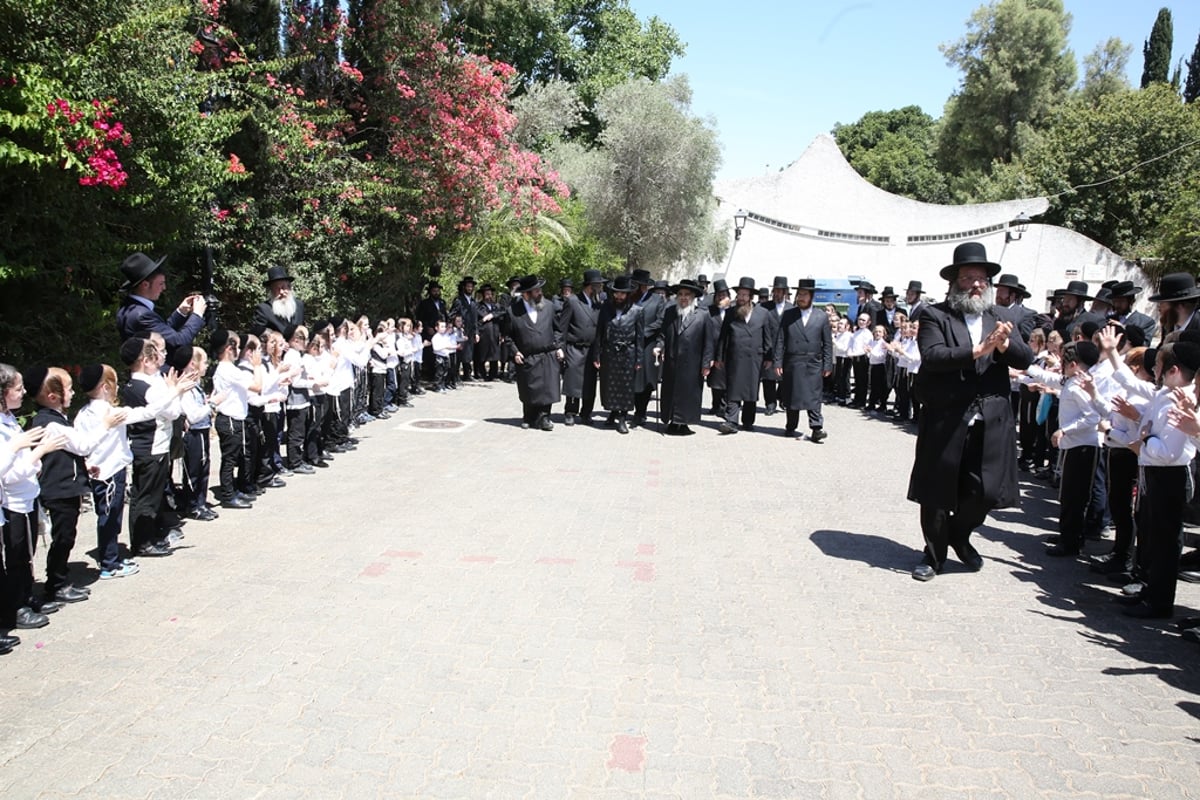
column 622, row 426
column 790, row 433
column 237, row 502
column 818, row 435
column 152, row 551
column 748, row 428
column 924, row 572
column 69, row 594
column 49, row 607
column 568, row 419
column 637, row 421
column 285, row 472
column 726, row 428
column 524, row 425
column 322, row 464
column 273, row 483
column 544, row 423
column 304, row 469
column 684, row 430
column 9, row 642
column 771, row 409
column 1189, row 575
column 608, row 423
column 28, row 619
column 969, row 556
column 201, row 514
column 1144, row 610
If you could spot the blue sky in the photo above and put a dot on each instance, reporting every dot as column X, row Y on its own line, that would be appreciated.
column 775, row 74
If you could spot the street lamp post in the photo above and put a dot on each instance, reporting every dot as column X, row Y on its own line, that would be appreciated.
column 739, row 222
column 1021, row 223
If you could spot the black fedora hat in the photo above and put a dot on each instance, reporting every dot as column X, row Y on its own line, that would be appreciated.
column 888, row 292
column 689, row 285
column 969, row 254
column 867, row 287
column 642, row 276
column 1024, row 292
column 1009, row 281
column 467, row 279
column 529, row 283
column 806, row 285
column 702, row 279
column 719, row 285
column 511, row 281
column 1078, row 288
column 1176, row 286
column 487, row 287
column 1103, row 295
column 747, row 283
column 660, row 284
column 137, row 267
column 277, row 274
column 566, row 283
column 915, row 286
column 781, row 282
column 621, row 283
column 592, row 276
column 1125, row 289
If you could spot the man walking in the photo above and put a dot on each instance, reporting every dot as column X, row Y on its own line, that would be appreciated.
column 686, row 347
column 803, row 358
column 579, row 316
column 537, row 340
column 746, row 346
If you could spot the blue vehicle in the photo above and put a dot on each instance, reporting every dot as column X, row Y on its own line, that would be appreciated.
column 842, row 292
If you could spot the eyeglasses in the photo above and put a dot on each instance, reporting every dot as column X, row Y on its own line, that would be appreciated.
column 971, row 280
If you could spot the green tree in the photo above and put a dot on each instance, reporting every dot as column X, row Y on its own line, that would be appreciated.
column 1104, row 70
column 1156, row 52
column 894, row 150
column 1191, row 89
column 647, row 184
column 1016, row 69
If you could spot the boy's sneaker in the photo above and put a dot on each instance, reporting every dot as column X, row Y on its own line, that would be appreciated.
column 124, row 570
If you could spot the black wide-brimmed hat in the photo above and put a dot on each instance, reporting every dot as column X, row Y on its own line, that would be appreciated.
column 137, row 267
column 662, row 285
column 867, row 287
column 1009, row 281
column 467, row 279
column 1176, row 286
column 592, row 276
column 511, row 281
column 1024, row 292
column 806, row 285
column 487, row 287
column 1078, row 288
column 1125, row 289
column 690, row 285
column 621, row 283
column 529, row 283
column 642, row 276
column 888, row 292
column 969, row 254
column 747, row 283
column 915, row 286
column 781, row 282
column 701, row 278
column 719, row 285
column 1103, row 295
column 432, row 285
column 277, row 274
column 566, row 283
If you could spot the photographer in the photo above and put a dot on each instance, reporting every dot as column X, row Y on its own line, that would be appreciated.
column 145, row 281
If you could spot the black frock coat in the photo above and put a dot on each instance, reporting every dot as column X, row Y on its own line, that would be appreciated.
column 653, row 308
column 538, row 378
column 488, row 347
column 579, row 318
column 953, row 387
column 618, row 347
column 743, row 347
column 804, row 352
column 687, row 349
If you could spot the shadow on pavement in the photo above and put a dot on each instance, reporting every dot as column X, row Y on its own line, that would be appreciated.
column 874, row 551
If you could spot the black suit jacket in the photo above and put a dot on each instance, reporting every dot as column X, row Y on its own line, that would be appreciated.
column 265, row 316
column 134, row 319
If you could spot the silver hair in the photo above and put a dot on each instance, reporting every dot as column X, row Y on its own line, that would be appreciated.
column 960, row 300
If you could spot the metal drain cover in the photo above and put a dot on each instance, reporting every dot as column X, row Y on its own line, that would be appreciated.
column 435, row 424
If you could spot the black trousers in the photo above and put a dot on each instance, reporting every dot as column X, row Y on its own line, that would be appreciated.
column 146, row 496
column 441, row 371
column 877, row 377
column 197, row 461
column 297, row 435
column 1075, row 493
column 770, row 393
column 1027, row 423
column 466, row 357
column 231, row 436
column 861, row 369
column 748, row 409
column 903, row 394
column 1122, row 482
column 314, row 439
column 248, row 474
column 64, row 522
column 815, row 419
column 531, row 413
column 944, row 528
column 20, row 541
column 1166, row 492
column 641, row 402
column 378, row 390
column 841, row 378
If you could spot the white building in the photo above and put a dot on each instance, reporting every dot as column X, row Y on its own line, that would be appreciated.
column 820, row 218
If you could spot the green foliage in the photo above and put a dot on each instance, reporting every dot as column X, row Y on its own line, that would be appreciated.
column 1191, row 89
column 894, row 150
column 1104, row 70
column 1178, row 233
column 1156, row 51
column 1016, row 69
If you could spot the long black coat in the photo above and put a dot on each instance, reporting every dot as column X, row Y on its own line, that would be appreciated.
column 538, row 342
column 578, row 321
column 768, row 373
column 804, row 352
column 743, row 347
column 716, row 377
column 653, row 307
column 953, row 387
column 488, row 348
column 618, row 348
column 687, row 349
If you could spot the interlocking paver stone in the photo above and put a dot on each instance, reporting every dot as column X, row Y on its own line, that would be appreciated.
column 491, row 612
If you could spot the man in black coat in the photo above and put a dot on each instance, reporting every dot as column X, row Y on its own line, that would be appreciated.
column 1010, row 292
column 685, row 345
column 1177, row 298
column 145, row 281
column 966, row 452
column 746, row 347
column 886, row 316
column 867, row 304
column 487, row 351
column 282, row 308
column 431, row 310
column 653, row 307
column 719, row 305
column 777, row 305
column 1123, row 294
column 803, row 358
column 534, row 328
column 578, row 321
column 1071, row 311
column 464, row 306
column 914, row 298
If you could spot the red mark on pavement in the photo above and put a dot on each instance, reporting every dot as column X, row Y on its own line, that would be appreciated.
column 554, row 560
column 652, row 483
column 374, row 569
column 174, row 619
column 402, row 554
column 642, row 570
column 479, row 559
column 39, row 645
column 645, row 550
column 628, row 753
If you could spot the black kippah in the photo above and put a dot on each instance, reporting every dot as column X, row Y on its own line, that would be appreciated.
column 131, row 350
column 34, row 377
column 90, row 377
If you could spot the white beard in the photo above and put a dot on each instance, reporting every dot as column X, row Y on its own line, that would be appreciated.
column 285, row 309
column 961, row 301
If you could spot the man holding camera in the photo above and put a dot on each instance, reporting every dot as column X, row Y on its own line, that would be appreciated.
column 145, row 281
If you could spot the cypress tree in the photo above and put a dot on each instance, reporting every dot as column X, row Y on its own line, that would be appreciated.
column 1157, row 50
column 1191, row 89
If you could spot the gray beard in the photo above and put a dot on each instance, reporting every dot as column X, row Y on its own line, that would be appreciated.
column 745, row 311
column 960, row 300
column 285, row 309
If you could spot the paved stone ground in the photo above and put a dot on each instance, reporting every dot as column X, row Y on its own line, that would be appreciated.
column 504, row 613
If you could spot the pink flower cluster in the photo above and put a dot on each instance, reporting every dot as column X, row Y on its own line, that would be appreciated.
column 93, row 133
